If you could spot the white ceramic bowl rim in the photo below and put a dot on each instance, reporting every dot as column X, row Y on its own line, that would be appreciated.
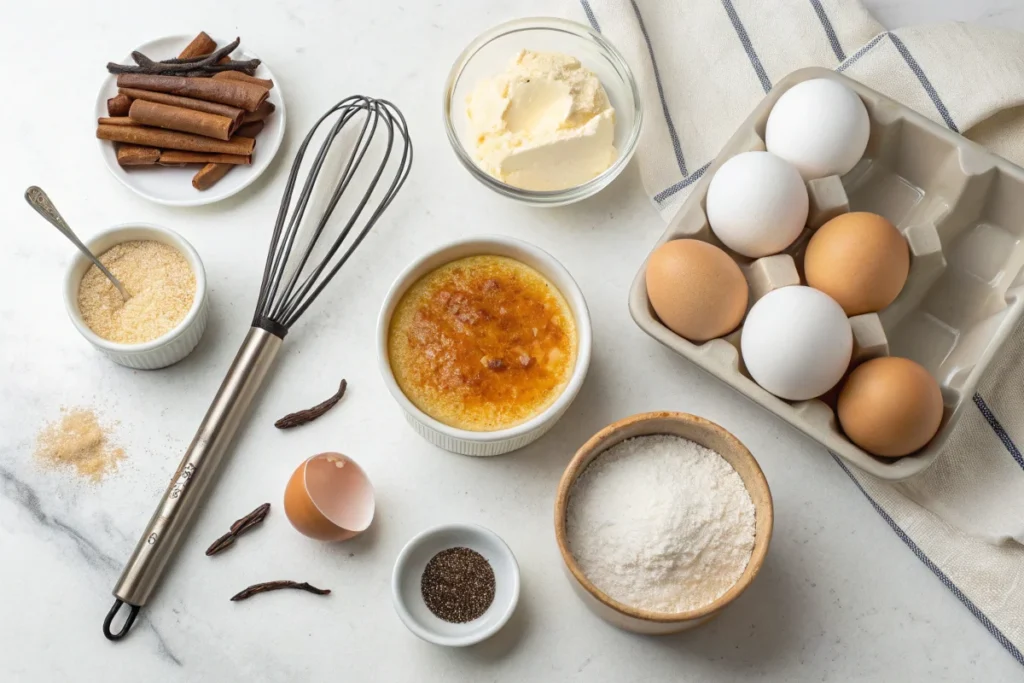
column 431, row 636
column 71, row 286
column 535, row 23
column 576, row 302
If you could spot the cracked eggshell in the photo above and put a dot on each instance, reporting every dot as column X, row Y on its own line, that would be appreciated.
column 329, row 498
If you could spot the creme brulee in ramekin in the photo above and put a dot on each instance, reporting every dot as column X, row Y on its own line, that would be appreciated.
column 484, row 343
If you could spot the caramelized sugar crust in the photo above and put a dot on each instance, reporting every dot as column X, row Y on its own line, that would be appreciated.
column 482, row 343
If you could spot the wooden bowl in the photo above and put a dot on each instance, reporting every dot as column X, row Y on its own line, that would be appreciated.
column 707, row 434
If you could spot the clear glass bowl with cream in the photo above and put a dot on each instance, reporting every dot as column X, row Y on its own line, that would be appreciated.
column 542, row 110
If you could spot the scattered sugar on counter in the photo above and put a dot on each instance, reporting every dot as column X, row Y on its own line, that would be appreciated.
column 661, row 523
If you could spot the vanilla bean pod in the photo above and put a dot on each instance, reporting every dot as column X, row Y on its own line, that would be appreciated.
column 248, row 66
column 238, row 528
column 305, row 416
column 211, row 58
column 258, row 588
column 192, row 66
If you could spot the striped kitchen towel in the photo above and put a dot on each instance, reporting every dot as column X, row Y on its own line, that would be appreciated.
column 702, row 66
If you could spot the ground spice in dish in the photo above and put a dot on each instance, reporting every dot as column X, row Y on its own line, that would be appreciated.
column 158, row 278
column 458, row 585
column 78, row 441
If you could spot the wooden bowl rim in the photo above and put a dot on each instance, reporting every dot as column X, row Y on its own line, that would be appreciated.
column 599, row 443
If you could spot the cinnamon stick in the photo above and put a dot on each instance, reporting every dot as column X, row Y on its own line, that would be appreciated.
column 211, row 174
column 208, row 175
column 261, row 113
column 248, row 96
column 250, row 130
column 136, row 155
column 175, row 157
column 169, row 139
column 236, row 114
column 119, row 105
column 200, row 45
column 244, row 77
column 179, row 118
column 115, row 121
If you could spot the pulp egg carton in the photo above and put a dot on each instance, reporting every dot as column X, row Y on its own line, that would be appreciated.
column 961, row 210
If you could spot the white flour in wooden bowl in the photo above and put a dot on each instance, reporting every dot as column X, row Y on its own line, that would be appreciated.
column 661, row 523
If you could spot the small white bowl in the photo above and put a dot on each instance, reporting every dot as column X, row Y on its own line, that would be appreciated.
column 408, row 597
column 159, row 352
column 500, row 441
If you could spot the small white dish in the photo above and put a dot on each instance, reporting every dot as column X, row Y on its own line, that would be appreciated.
column 171, row 185
column 162, row 351
column 500, row 441
column 408, row 597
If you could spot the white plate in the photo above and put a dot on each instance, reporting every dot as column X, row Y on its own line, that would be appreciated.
column 172, row 185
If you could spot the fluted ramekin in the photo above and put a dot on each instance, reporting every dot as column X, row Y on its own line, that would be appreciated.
column 500, row 441
column 164, row 350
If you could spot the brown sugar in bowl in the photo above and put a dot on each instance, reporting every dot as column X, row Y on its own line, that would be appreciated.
column 700, row 431
column 164, row 350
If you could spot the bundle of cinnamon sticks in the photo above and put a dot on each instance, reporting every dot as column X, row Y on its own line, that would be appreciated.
column 171, row 120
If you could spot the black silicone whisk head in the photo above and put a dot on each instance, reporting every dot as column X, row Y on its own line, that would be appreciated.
column 294, row 276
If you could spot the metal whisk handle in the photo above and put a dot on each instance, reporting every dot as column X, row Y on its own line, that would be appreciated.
column 186, row 491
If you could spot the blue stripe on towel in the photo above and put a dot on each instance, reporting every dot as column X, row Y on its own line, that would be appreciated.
column 861, row 52
column 997, row 427
column 979, row 615
column 741, row 33
column 661, row 93
column 925, row 83
column 682, row 184
column 833, row 39
column 590, row 15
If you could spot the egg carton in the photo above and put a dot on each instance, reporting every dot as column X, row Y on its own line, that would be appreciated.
column 961, row 209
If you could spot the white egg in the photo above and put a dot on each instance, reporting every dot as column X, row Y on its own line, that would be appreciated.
column 796, row 343
column 757, row 204
column 820, row 126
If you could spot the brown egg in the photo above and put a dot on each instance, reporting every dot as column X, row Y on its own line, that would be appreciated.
column 890, row 406
column 696, row 289
column 859, row 259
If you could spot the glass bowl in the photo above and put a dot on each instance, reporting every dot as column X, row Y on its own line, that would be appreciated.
column 490, row 53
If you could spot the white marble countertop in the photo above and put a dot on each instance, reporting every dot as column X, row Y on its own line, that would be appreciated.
column 840, row 597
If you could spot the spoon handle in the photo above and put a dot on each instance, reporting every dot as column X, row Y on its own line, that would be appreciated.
column 39, row 201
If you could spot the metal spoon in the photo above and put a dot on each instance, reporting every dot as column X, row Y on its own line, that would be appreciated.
column 38, row 200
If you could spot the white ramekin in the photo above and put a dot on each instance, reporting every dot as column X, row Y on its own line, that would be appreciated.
column 500, row 441
column 162, row 351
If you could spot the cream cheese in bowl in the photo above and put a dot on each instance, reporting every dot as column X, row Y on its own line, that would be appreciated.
column 543, row 111
column 545, row 123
